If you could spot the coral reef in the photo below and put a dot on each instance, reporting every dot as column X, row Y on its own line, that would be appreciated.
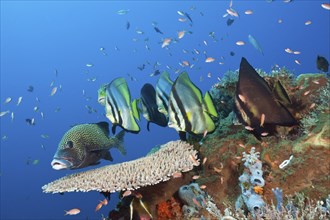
column 251, row 183
column 173, row 157
column 305, row 148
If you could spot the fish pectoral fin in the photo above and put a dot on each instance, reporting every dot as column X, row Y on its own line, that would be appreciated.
column 107, row 156
column 148, row 124
column 113, row 129
column 182, row 135
column 209, row 106
column 94, row 164
column 135, row 110
column 209, row 122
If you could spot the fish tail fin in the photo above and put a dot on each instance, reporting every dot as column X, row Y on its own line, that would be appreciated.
column 209, row 106
column 209, row 122
column 66, row 212
column 120, row 142
column 135, row 110
column 132, row 124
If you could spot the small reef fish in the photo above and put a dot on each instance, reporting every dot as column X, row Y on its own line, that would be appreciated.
column 180, row 13
column 255, row 43
column 4, row 113
column 230, row 21
column 54, row 90
column 166, row 42
column 297, row 62
column 181, row 34
column 30, row 89
column 188, row 111
column 72, row 212
column 322, row 63
column 72, row 153
column 232, row 12
column 44, row 136
column 19, row 100
column 326, row 6
column 30, row 121
column 8, row 100
column 240, row 43
column 98, row 207
column 155, row 73
column 248, row 12
column 308, row 22
column 122, row 11
column 158, row 30
column 209, row 60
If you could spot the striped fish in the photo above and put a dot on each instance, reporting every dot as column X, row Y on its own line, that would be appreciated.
column 188, row 111
column 118, row 107
column 149, row 107
column 163, row 89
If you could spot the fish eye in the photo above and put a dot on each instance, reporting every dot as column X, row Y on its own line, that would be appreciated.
column 69, row 144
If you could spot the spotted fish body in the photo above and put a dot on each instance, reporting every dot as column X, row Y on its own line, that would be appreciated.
column 84, row 145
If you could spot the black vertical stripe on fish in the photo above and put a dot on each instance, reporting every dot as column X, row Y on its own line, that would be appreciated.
column 150, row 108
column 119, row 118
column 111, row 107
column 188, row 126
column 176, row 117
column 165, row 103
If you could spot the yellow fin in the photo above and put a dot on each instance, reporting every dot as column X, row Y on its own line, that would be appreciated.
column 208, row 103
column 209, row 122
column 136, row 113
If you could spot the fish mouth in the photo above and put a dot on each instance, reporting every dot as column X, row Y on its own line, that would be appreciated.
column 60, row 164
column 101, row 100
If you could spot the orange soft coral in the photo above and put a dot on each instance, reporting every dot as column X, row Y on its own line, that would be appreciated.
column 169, row 209
column 258, row 189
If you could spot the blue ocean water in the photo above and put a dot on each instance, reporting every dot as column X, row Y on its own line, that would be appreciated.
column 40, row 38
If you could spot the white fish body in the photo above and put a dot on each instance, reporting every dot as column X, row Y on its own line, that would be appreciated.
column 53, row 91
column 19, row 100
column 4, row 113
column 255, row 44
column 7, row 100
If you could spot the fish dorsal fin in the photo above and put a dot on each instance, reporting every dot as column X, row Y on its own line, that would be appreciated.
column 208, row 104
column 185, row 80
column 280, row 93
column 135, row 110
column 104, row 127
column 120, row 85
column 165, row 76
